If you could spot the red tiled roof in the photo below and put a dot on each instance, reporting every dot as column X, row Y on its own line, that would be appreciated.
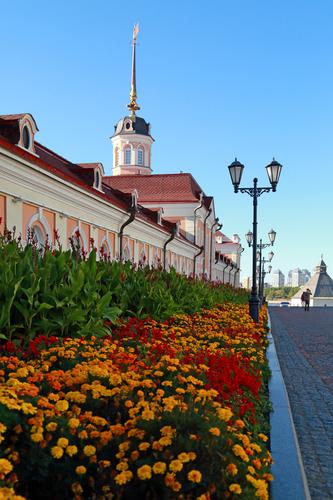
column 89, row 165
column 12, row 117
column 158, row 188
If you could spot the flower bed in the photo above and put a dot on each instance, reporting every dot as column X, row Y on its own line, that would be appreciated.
column 155, row 411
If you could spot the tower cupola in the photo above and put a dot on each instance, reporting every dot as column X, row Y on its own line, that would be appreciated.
column 132, row 139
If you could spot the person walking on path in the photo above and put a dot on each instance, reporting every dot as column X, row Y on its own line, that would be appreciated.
column 306, row 299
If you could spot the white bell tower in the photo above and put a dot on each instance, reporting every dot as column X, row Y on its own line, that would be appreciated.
column 131, row 139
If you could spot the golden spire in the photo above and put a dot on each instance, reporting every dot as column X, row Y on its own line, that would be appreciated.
column 133, row 106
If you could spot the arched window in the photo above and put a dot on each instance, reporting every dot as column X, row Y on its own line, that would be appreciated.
column 38, row 236
column 143, row 259
column 140, row 156
column 126, row 254
column 127, row 155
column 105, row 249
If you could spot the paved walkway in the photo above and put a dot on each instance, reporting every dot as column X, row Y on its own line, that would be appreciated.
column 304, row 344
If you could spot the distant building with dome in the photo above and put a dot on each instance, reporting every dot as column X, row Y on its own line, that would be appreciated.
column 321, row 286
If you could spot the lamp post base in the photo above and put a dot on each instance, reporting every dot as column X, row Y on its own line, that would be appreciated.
column 254, row 308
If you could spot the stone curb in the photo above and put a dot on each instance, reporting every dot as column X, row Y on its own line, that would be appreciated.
column 290, row 481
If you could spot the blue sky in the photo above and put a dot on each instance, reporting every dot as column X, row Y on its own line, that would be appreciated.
column 218, row 79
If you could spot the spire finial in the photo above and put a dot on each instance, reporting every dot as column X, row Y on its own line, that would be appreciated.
column 133, row 106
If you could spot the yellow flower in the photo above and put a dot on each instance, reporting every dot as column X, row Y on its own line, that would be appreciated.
column 80, row 470
column 122, row 466
column 194, row 476
column 37, row 437
column 9, row 494
column 144, row 472
column 5, row 466
column 176, row 466
column 232, row 469
column 51, row 427
column 235, row 488
column 62, row 405
column 251, row 469
column 89, row 450
column 77, row 488
column 144, row 446
column 73, row 423
column 124, row 446
column 62, row 442
column 215, row 431
column 147, row 415
column 263, row 437
column 123, row 477
column 159, row 468
column 71, row 450
column 240, row 452
column 224, row 414
column 184, row 457
column 57, row 452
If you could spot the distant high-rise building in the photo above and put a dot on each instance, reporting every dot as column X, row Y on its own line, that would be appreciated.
column 277, row 278
column 247, row 282
column 298, row 277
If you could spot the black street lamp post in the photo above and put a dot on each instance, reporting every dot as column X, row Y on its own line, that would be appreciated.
column 273, row 171
column 263, row 299
column 260, row 247
column 262, row 275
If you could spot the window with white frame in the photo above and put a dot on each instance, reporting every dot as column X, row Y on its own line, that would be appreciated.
column 127, row 155
column 38, row 236
column 140, row 156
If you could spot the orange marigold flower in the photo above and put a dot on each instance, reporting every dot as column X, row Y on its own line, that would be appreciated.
column 89, row 450
column 57, row 452
column 123, row 477
column 80, row 470
column 52, row 426
column 71, row 450
column 235, row 488
column 135, row 455
column 232, row 469
column 77, row 488
column 73, row 423
column 215, row 431
column 159, row 468
column 184, row 457
column 62, row 405
column 224, row 414
column 263, row 437
column 37, row 437
column 194, row 476
column 175, row 466
column 239, row 423
column 251, row 469
column 144, row 446
column 5, row 466
column 122, row 466
column 144, row 472
column 62, row 442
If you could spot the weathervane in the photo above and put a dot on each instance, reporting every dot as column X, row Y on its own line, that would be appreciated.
column 133, row 106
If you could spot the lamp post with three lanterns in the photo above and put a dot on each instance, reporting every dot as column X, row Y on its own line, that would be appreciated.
column 273, row 171
column 260, row 247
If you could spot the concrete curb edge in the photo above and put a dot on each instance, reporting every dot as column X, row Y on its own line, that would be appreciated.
column 288, row 470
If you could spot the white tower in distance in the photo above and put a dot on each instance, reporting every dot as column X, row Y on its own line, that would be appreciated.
column 131, row 139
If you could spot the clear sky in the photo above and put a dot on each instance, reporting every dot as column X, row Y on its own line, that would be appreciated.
column 216, row 79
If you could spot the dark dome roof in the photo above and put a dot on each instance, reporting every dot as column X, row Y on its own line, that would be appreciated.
column 128, row 126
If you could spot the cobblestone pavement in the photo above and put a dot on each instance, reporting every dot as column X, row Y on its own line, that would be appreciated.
column 304, row 344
